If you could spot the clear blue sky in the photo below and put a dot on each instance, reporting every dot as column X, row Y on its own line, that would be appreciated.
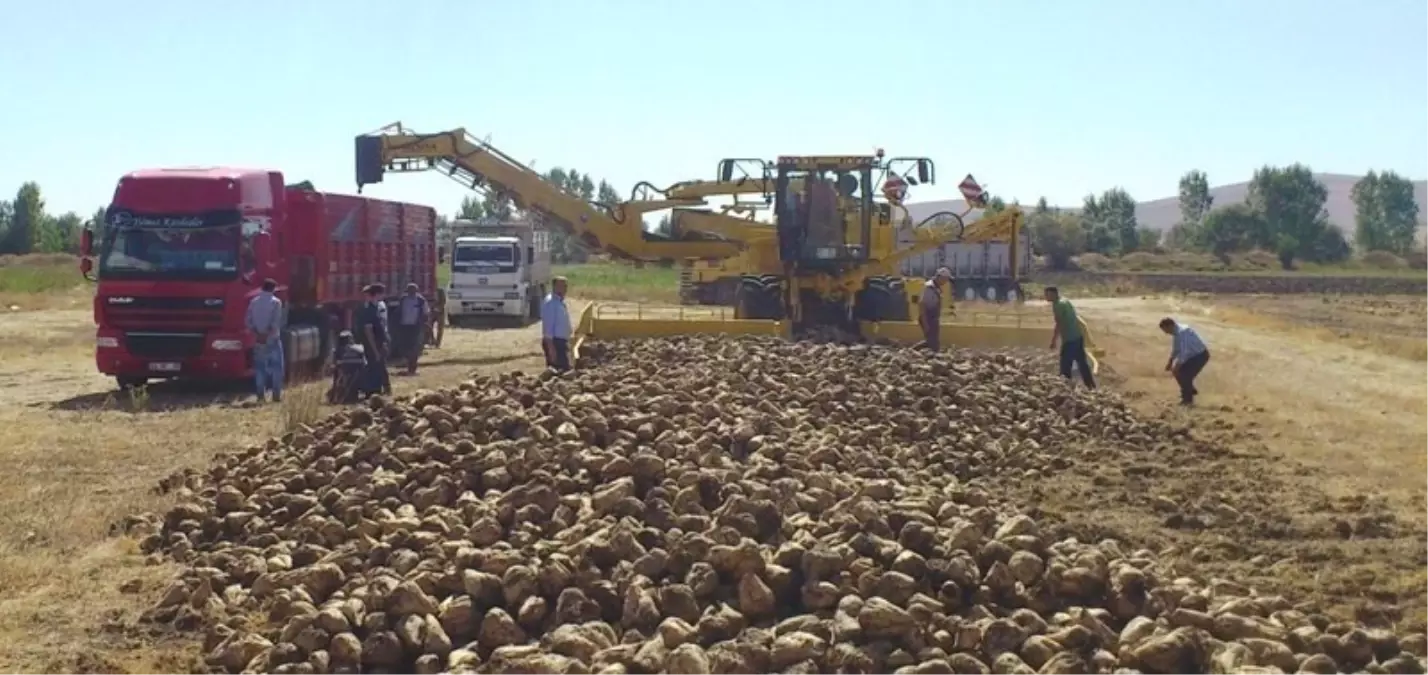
column 1035, row 97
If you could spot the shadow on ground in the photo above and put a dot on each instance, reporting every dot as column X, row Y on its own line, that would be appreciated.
column 158, row 397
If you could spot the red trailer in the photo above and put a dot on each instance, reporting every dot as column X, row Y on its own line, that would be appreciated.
column 183, row 251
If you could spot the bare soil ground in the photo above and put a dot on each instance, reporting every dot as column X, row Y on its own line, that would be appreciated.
column 1328, row 431
column 1323, row 425
column 79, row 456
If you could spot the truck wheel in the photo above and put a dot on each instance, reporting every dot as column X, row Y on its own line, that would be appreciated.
column 127, row 382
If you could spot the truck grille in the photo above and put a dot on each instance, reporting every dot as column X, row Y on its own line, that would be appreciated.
column 162, row 313
column 164, row 345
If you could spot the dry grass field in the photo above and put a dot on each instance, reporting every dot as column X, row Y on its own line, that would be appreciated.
column 1321, row 398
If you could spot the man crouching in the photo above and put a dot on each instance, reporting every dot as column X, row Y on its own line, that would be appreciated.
column 349, row 369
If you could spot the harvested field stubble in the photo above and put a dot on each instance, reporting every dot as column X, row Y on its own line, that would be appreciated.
column 714, row 505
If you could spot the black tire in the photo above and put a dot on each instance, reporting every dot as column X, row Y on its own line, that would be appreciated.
column 748, row 298
column 869, row 302
column 896, row 307
column 758, row 299
column 127, row 382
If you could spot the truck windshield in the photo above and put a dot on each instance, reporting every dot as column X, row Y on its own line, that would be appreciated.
column 142, row 252
column 484, row 258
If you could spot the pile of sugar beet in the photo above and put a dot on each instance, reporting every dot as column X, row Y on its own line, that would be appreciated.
column 696, row 505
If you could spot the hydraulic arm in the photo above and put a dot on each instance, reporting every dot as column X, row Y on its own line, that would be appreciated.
column 614, row 228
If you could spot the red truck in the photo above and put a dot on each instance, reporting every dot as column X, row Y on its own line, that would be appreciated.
column 184, row 250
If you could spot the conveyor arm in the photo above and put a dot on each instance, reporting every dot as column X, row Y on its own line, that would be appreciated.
column 615, row 228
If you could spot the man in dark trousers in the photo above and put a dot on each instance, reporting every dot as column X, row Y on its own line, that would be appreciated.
column 555, row 327
column 1188, row 356
column 375, row 338
column 1068, row 332
column 412, row 324
column 929, row 312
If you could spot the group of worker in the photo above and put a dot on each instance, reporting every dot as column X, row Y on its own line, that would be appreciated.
column 359, row 361
column 1188, row 352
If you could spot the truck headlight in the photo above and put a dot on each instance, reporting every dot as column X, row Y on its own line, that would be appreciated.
column 106, row 342
column 453, row 295
column 228, row 345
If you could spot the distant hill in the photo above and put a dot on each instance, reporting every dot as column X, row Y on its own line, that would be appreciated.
column 1162, row 214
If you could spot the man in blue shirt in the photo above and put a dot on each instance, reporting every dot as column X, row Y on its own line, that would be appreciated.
column 265, row 321
column 1188, row 356
column 555, row 327
column 412, row 323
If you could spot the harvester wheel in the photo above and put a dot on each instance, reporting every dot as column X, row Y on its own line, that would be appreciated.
column 882, row 299
column 896, row 308
column 758, row 299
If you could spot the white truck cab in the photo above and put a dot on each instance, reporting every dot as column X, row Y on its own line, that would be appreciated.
column 498, row 271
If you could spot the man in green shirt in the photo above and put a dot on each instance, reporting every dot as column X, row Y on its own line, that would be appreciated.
column 1068, row 332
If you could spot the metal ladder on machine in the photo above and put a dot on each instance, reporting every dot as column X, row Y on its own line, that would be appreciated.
column 688, row 295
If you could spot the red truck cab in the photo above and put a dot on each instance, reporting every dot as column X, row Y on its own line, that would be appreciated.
column 184, row 251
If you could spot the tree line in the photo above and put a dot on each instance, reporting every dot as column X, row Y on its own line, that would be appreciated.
column 26, row 227
column 1283, row 213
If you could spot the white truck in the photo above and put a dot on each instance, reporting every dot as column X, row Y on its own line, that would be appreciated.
column 499, row 270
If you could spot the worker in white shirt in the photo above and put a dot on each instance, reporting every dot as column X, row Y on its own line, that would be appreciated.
column 1188, row 356
column 555, row 327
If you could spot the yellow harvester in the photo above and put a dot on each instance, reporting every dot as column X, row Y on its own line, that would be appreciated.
column 829, row 260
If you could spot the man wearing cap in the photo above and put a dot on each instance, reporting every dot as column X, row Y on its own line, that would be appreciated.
column 412, row 323
column 929, row 315
column 375, row 339
column 1188, row 356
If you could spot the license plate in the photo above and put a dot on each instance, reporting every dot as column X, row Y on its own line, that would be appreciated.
column 164, row 367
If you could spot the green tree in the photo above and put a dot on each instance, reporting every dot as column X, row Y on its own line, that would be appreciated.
column 1227, row 229
column 1195, row 199
column 606, row 194
column 1057, row 237
column 1147, row 238
column 27, row 220
column 1330, row 247
column 1106, row 219
column 61, row 235
column 994, row 205
column 1185, row 236
column 6, row 213
column 563, row 247
column 497, row 205
column 471, row 208
column 1042, row 206
column 1385, row 213
column 1291, row 203
column 1118, row 212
